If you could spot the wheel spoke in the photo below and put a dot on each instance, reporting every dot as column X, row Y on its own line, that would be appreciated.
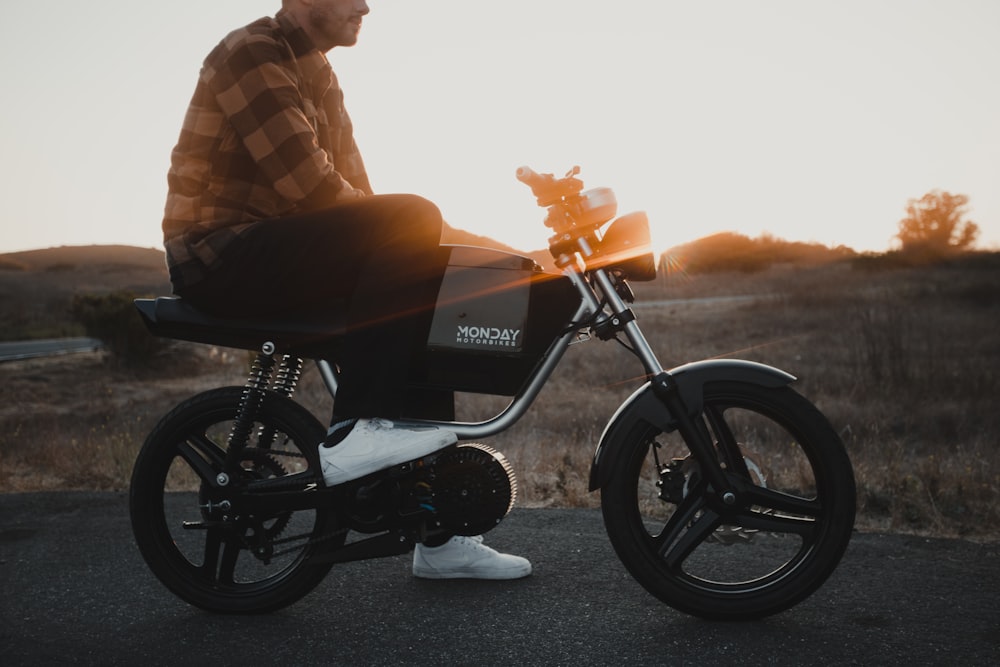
column 783, row 502
column 777, row 523
column 213, row 542
column 220, row 569
column 204, row 456
column 685, row 529
column 227, row 568
column 685, row 537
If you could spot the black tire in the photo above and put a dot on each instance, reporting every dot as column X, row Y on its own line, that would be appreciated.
column 780, row 540
column 215, row 567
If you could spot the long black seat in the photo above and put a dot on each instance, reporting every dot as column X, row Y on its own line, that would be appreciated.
column 172, row 317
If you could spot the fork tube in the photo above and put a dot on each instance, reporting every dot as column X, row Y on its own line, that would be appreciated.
column 618, row 307
column 635, row 336
column 692, row 428
column 590, row 300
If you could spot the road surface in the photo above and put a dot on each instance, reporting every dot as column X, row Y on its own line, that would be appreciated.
column 74, row 590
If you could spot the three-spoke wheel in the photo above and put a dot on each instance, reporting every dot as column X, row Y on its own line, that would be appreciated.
column 758, row 547
column 196, row 539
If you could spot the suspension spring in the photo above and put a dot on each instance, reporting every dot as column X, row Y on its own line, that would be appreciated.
column 288, row 375
column 250, row 402
column 285, row 381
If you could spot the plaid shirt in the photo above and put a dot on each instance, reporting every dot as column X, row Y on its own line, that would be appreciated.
column 266, row 135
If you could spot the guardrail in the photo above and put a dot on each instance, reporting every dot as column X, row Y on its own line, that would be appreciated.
column 49, row 347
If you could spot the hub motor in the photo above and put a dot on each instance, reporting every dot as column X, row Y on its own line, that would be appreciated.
column 472, row 488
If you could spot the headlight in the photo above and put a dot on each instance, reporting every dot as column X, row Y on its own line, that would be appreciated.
column 595, row 207
column 626, row 247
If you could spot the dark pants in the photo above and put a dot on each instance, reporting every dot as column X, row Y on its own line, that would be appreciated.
column 381, row 254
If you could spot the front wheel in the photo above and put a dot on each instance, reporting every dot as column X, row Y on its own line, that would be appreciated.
column 777, row 538
column 202, row 548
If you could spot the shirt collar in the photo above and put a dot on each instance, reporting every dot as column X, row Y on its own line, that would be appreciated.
column 313, row 62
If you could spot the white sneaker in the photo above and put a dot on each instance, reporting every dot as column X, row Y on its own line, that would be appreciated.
column 467, row 558
column 376, row 444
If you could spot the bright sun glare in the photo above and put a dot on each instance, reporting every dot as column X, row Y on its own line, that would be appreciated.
column 801, row 120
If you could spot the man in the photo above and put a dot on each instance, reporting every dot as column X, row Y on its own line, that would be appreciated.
column 270, row 213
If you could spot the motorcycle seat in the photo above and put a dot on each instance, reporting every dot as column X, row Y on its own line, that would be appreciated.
column 173, row 317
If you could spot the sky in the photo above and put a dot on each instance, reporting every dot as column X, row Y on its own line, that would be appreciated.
column 809, row 120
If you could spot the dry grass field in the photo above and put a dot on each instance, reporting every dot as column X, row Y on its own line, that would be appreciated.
column 903, row 362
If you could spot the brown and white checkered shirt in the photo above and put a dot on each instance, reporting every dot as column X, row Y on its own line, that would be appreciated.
column 266, row 135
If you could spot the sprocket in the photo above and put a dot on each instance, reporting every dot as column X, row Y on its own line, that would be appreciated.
column 264, row 466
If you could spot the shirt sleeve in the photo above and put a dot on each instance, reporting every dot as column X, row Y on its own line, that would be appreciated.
column 261, row 98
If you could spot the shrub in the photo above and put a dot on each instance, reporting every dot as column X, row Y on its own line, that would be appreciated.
column 111, row 318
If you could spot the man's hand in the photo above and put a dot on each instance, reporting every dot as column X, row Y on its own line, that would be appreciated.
column 349, row 194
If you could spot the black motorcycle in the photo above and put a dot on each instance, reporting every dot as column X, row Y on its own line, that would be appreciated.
column 725, row 493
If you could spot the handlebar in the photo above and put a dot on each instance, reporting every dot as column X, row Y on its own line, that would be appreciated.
column 576, row 217
column 548, row 189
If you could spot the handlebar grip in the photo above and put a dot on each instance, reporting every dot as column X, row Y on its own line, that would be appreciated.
column 528, row 176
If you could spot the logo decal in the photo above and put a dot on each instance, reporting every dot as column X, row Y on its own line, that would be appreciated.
column 488, row 336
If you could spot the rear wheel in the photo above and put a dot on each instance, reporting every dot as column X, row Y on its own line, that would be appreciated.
column 759, row 554
column 201, row 547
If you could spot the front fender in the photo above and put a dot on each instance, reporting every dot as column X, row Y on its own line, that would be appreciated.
column 645, row 406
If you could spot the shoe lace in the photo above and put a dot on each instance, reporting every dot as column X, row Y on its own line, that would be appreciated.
column 475, row 540
column 379, row 425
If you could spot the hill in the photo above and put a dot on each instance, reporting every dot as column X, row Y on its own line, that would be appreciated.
column 37, row 286
column 109, row 258
column 729, row 251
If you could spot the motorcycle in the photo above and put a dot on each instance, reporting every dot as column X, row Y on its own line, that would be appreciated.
column 725, row 493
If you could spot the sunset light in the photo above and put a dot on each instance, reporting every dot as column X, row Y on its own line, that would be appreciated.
column 675, row 314
column 808, row 121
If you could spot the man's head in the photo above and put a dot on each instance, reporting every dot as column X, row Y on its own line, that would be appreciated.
column 329, row 23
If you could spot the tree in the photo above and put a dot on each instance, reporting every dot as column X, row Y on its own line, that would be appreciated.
column 934, row 225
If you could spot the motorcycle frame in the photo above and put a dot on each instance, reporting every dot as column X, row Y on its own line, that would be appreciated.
column 617, row 314
column 610, row 313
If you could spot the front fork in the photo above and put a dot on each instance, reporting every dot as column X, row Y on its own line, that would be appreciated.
column 666, row 389
column 695, row 434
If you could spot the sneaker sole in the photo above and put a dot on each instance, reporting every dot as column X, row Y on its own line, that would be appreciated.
column 519, row 573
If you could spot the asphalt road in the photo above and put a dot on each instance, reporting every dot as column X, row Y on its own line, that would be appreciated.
column 74, row 590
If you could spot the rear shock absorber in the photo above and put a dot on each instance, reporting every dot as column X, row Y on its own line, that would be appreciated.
column 285, row 381
column 250, row 401
column 288, row 375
